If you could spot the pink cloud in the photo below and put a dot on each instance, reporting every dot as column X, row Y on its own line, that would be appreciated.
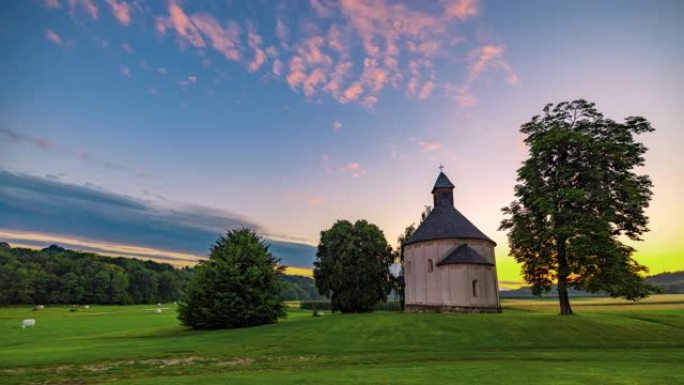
column 316, row 78
column 161, row 24
column 125, row 71
column 282, row 32
column 369, row 101
column 224, row 40
column 461, row 95
column 337, row 125
column 353, row 92
column 321, row 8
column 126, row 47
column 355, row 170
column 430, row 146
column 54, row 37
column 337, row 41
column 86, row 6
column 121, row 11
column 487, row 57
column 277, row 67
column 186, row 30
column 352, row 167
column 338, row 77
column 52, row 4
column 254, row 41
column 297, row 74
column 461, row 9
column 426, row 90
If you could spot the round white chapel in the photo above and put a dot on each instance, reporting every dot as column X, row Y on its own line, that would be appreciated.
column 449, row 264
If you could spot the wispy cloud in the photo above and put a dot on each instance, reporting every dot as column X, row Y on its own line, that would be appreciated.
column 80, row 153
column 489, row 57
column 430, row 146
column 462, row 9
column 125, row 71
column 52, row 4
column 54, row 37
column 337, row 125
column 188, row 81
column 41, row 143
column 187, row 32
column 254, row 42
column 87, row 7
column 354, row 169
column 121, row 11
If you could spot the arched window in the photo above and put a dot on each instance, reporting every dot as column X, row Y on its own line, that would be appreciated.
column 431, row 267
column 475, row 288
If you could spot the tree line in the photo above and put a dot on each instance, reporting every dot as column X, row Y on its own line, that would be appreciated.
column 55, row 275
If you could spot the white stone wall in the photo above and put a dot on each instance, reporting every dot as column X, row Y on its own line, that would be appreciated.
column 449, row 285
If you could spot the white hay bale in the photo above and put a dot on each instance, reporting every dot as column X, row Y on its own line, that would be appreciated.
column 28, row 323
column 40, row 307
column 86, row 306
column 158, row 303
column 158, row 310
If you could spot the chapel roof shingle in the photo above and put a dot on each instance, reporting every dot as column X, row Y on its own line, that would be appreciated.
column 464, row 254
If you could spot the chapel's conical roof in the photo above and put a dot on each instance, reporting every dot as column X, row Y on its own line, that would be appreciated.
column 445, row 221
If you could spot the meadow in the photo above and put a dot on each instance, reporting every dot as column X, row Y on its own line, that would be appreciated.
column 609, row 341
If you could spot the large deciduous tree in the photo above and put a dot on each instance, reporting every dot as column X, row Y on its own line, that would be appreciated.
column 352, row 266
column 576, row 195
column 238, row 286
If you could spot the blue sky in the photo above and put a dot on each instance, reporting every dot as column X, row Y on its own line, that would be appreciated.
column 292, row 114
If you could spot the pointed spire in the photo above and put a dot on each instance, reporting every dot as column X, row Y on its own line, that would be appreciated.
column 442, row 182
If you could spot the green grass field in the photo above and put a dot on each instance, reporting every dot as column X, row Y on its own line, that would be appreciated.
column 608, row 342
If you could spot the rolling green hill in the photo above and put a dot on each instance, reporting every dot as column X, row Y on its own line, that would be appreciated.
column 608, row 342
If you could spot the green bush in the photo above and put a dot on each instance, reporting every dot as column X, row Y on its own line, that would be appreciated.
column 238, row 286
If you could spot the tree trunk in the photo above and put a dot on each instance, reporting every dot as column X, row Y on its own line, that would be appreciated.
column 563, row 272
column 563, row 297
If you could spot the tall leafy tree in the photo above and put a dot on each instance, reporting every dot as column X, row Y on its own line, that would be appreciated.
column 352, row 266
column 238, row 286
column 577, row 193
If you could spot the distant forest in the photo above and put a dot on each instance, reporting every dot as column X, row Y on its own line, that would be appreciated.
column 55, row 275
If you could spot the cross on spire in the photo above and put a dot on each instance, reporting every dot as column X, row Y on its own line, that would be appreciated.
column 441, row 168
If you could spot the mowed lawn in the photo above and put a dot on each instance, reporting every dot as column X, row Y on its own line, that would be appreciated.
column 607, row 342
